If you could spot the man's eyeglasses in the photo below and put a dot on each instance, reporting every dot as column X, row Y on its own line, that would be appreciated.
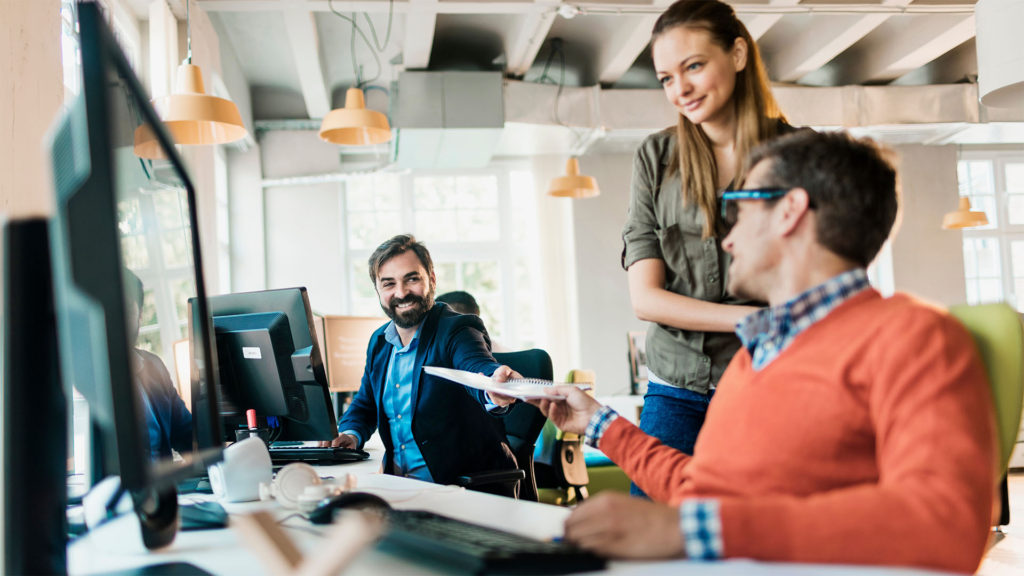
column 729, row 197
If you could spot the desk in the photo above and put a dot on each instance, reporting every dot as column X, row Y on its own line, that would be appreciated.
column 110, row 547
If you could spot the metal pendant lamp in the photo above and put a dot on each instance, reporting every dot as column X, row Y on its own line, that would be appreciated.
column 354, row 125
column 192, row 116
column 964, row 217
column 573, row 184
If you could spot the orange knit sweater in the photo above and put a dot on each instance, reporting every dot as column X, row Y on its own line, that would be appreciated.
column 869, row 440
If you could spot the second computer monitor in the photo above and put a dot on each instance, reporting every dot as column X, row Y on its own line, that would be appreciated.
column 269, row 362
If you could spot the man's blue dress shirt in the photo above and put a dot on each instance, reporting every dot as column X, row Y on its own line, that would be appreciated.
column 397, row 405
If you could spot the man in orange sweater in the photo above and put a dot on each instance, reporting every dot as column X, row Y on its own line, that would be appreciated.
column 849, row 428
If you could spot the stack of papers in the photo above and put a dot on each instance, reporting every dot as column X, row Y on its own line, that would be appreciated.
column 524, row 389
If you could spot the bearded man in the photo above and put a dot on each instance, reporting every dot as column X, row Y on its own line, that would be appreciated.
column 434, row 430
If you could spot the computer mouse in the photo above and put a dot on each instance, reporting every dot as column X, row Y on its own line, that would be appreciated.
column 202, row 516
column 324, row 511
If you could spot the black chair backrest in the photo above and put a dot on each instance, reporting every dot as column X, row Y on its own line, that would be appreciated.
column 523, row 423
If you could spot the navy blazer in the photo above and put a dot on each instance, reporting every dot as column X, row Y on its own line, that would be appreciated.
column 454, row 432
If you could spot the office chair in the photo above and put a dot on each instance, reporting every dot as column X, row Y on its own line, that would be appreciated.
column 559, row 464
column 522, row 423
column 999, row 336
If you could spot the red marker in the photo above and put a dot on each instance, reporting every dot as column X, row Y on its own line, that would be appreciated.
column 250, row 418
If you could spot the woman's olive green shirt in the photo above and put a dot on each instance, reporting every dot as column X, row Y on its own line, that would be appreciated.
column 660, row 225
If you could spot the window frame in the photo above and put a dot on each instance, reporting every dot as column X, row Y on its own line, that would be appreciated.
column 1002, row 231
column 502, row 250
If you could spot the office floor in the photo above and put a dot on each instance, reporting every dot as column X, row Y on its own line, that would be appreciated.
column 1006, row 557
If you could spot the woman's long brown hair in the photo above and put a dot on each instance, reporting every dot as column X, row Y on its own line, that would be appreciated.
column 757, row 112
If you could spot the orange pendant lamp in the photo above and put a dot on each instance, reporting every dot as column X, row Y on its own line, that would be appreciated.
column 573, row 184
column 964, row 217
column 354, row 125
column 192, row 116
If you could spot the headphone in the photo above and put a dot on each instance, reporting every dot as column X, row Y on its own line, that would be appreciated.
column 291, row 483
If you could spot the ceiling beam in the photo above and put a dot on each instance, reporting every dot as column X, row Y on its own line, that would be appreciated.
column 625, row 8
column 622, row 49
column 305, row 45
column 911, row 46
column 830, row 37
column 528, row 40
column 400, row 7
column 419, row 34
column 758, row 24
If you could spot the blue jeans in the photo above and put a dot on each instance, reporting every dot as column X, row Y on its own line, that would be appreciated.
column 674, row 416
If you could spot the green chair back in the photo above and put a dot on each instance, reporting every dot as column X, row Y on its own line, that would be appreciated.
column 999, row 335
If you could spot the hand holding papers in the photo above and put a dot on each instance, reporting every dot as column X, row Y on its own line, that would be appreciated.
column 522, row 388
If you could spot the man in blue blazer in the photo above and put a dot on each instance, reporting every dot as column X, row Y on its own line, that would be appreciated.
column 433, row 429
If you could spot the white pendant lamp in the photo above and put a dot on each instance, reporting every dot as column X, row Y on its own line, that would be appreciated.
column 573, row 184
column 964, row 217
column 192, row 116
column 1000, row 55
column 354, row 125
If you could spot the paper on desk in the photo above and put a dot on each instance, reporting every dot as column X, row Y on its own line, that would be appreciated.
column 523, row 389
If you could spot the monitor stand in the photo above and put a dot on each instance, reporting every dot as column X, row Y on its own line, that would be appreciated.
column 158, row 516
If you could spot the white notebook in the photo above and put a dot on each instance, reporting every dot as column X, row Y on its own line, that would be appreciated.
column 522, row 388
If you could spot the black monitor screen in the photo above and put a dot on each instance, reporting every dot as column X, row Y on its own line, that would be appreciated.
column 126, row 264
column 270, row 363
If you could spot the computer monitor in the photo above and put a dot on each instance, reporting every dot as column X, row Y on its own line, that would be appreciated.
column 122, row 221
column 270, row 362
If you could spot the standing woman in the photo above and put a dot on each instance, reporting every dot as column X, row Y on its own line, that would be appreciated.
column 712, row 73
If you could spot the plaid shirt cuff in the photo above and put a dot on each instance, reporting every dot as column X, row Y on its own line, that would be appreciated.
column 701, row 524
column 599, row 422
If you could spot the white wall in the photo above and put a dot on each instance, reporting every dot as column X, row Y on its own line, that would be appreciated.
column 927, row 260
column 556, row 268
column 302, row 223
column 30, row 53
column 248, row 241
column 605, row 313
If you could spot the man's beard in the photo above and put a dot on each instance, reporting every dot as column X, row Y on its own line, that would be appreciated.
column 410, row 317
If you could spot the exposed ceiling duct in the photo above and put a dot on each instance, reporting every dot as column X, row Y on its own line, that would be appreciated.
column 485, row 116
column 448, row 119
column 588, row 117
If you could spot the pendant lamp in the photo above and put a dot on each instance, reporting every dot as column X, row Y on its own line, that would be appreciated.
column 964, row 217
column 354, row 125
column 192, row 116
column 573, row 184
column 1000, row 59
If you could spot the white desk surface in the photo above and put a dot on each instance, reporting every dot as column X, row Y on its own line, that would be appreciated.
column 117, row 546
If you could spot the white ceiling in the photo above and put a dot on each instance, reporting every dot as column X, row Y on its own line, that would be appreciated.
column 297, row 55
column 282, row 43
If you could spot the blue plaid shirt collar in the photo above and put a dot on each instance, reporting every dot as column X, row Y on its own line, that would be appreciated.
column 766, row 333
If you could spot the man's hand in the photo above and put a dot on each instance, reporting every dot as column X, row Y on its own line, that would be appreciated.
column 571, row 414
column 345, row 441
column 502, row 374
column 621, row 526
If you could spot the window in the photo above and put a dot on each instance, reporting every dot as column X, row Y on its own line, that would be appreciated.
column 71, row 55
column 994, row 254
column 151, row 256
column 480, row 240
